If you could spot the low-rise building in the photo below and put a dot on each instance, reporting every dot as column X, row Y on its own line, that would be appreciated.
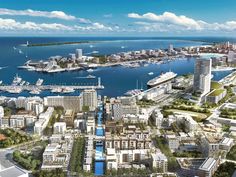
column 159, row 162
column 208, row 167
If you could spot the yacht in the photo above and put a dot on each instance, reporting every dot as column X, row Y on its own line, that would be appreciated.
column 22, row 83
column 67, row 90
column 164, row 77
column 16, row 80
column 35, row 92
column 150, row 74
column 90, row 70
column 39, row 82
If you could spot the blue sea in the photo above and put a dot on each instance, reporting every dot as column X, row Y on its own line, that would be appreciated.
column 117, row 80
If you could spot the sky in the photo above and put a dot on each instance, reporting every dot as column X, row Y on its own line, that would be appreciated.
column 117, row 18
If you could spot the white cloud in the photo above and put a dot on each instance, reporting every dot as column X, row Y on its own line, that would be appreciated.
column 94, row 26
column 169, row 18
column 9, row 25
column 36, row 13
column 171, row 22
column 108, row 15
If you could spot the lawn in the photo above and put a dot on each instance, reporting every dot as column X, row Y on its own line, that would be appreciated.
column 193, row 114
column 215, row 85
column 232, row 153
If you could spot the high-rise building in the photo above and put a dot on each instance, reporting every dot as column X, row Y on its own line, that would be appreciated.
column 78, row 53
column 90, row 99
column 171, row 48
column 202, row 75
column 67, row 102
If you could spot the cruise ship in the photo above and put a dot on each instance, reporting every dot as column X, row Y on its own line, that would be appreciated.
column 164, row 77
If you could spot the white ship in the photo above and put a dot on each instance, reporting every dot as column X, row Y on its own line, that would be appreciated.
column 67, row 90
column 16, row 80
column 133, row 92
column 164, row 77
column 90, row 70
column 14, row 90
column 39, row 82
column 151, row 73
column 22, row 83
column 36, row 91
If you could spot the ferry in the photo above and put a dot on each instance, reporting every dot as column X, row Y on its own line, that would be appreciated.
column 39, row 82
column 164, row 77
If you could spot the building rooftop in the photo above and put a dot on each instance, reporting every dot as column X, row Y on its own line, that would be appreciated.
column 207, row 164
column 13, row 171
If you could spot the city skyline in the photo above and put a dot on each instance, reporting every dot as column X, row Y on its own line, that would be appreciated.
column 105, row 18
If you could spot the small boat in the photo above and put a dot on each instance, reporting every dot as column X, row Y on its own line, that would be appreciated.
column 151, row 73
column 14, row 48
column 20, row 51
column 22, row 83
column 122, row 47
column 90, row 70
column 91, row 46
column 94, row 52
column 35, row 92
column 0, row 82
column 39, row 82
column 87, row 77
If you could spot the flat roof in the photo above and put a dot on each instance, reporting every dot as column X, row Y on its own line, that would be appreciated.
column 13, row 171
column 207, row 164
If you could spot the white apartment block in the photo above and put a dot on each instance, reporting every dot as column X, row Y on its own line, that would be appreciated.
column 160, row 162
column 57, row 153
column 59, row 128
column 43, row 120
column 208, row 167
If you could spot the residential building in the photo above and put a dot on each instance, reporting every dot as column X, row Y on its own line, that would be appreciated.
column 90, row 99
column 159, row 162
column 202, row 75
column 208, row 167
column 59, row 128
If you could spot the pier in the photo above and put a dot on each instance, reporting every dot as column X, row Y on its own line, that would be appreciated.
column 20, row 88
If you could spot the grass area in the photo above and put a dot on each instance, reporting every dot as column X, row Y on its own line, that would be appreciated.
column 191, row 154
column 145, row 103
column 215, row 85
column 163, row 146
column 217, row 92
column 54, row 118
column 193, row 114
column 51, row 173
column 232, row 153
column 12, row 137
column 128, row 172
column 28, row 161
column 228, row 113
column 77, row 155
column 225, row 170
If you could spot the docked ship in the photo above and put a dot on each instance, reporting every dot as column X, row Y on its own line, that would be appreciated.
column 164, row 77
